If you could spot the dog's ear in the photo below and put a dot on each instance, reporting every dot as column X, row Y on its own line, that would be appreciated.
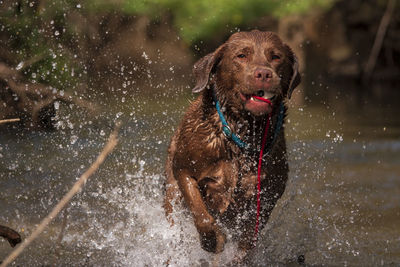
column 296, row 78
column 203, row 67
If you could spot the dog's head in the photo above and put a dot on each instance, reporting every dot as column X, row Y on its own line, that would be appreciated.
column 250, row 64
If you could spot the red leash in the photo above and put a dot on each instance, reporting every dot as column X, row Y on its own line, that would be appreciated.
column 264, row 140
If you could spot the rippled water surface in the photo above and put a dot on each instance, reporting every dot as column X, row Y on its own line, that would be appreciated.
column 341, row 205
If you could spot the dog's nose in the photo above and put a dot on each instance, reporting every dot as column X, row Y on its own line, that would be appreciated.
column 262, row 74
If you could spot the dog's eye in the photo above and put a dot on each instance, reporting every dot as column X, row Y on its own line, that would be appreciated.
column 275, row 57
column 241, row 56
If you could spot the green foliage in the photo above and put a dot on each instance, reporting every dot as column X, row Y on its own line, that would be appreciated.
column 201, row 19
column 39, row 31
column 37, row 37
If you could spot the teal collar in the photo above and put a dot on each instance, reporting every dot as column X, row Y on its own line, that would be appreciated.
column 227, row 131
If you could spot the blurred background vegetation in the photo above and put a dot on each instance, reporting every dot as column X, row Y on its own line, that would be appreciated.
column 97, row 46
column 201, row 19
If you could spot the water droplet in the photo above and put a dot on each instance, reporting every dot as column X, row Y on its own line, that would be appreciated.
column 20, row 65
column 73, row 139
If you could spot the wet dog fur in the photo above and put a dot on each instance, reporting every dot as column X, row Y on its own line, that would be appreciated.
column 216, row 178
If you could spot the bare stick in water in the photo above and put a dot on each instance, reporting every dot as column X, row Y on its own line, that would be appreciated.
column 376, row 48
column 9, row 120
column 112, row 142
column 12, row 236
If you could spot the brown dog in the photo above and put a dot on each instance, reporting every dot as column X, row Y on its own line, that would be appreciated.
column 216, row 176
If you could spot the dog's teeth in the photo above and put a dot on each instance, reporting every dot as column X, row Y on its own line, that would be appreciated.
column 269, row 95
column 252, row 98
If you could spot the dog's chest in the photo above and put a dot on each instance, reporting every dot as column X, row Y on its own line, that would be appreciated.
column 247, row 167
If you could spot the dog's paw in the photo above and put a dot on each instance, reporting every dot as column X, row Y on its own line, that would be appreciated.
column 213, row 241
column 246, row 243
column 240, row 259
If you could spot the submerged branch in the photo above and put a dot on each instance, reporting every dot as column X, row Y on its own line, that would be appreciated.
column 9, row 120
column 112, row 142
column 33, row 102
column 12, row 236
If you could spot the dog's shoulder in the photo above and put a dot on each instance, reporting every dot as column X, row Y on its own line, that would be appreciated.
column 199, row 133
column 200, row 122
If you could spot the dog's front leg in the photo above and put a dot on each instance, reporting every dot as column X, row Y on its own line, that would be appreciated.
column 212, row 238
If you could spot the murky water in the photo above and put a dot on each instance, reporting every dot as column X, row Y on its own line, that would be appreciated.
column 341, row 205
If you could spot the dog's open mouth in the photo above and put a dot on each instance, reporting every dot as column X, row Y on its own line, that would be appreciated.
column 258, row 95
column 259, row 103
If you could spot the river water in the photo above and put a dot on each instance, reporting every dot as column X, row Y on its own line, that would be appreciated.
column 341, row 205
